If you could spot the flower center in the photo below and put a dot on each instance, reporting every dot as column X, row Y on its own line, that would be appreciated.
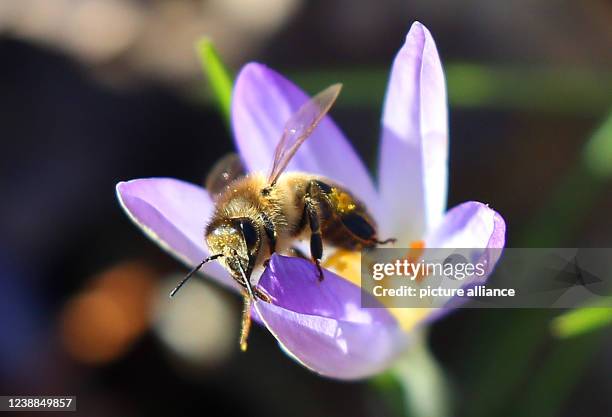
column 348, row 265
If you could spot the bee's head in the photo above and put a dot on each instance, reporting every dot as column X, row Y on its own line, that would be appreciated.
column 237, row 239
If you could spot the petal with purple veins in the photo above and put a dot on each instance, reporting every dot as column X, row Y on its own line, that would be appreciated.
column 413, row 167
column 262, row 102
column 322, row 325
column 172, row 213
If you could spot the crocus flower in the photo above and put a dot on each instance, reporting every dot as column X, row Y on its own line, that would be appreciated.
column 322, row 325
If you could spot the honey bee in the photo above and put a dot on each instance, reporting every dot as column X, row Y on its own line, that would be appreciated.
column 257, row 215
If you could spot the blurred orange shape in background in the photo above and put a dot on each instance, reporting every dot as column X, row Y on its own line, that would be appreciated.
column 102, row 322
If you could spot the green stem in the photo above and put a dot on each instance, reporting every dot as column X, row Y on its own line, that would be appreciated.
column 416, row 386
column 219, row 77
column 547, row 391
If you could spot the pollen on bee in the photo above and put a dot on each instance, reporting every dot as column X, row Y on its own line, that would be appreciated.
column 343, row 201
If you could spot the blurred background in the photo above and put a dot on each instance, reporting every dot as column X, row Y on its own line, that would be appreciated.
column 97, row 91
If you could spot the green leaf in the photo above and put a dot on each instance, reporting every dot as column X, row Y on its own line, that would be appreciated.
column 219, row 78
column 598, row 152
column 582, row 320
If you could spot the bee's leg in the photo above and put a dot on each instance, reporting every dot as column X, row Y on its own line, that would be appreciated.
column 271, row 235
column 246, row 283
column 384, row 242
column 316, row 240
column 245, row 327
column 257, row 292
column 262, row 295
column 248, row 297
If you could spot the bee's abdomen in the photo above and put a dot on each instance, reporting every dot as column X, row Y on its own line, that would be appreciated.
column 349, row 231
column 346, row 222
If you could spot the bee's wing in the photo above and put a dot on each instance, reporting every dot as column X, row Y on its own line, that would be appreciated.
column 300, row 126
column 226, row 170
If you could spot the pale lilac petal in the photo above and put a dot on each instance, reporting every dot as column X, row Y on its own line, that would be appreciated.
column 172, row 213
column 329, row 347
column 413, row 167
column 263, row 101
column 476, row 233
column 469, row 225
column 322, row 324
column 472, row 225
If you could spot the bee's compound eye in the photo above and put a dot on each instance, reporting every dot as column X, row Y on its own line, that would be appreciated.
column 250, row 233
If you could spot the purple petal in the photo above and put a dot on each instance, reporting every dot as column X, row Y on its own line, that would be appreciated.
column 471, row 225
column 172, row 213
column 262, row 103
column 474, row 231
column 322, row 324
column 413, row 171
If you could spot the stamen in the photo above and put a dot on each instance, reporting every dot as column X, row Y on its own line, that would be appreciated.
column 348, row 265
column 414, row 254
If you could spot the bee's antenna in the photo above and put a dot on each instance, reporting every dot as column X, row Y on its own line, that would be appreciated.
column 193, row 271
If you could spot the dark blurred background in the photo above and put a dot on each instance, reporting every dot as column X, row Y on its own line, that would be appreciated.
column 97, row 91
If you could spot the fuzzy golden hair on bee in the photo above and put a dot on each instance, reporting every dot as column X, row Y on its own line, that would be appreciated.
column 244, row 198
